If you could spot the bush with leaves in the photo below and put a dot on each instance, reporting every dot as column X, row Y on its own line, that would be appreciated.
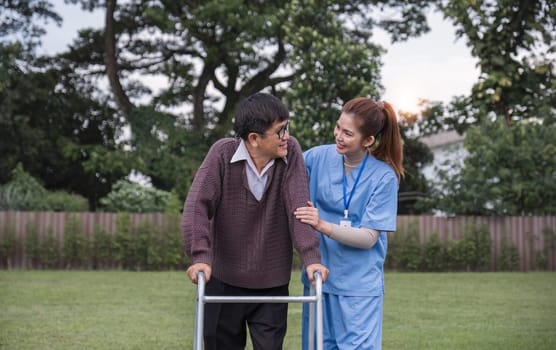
column 50, row 250
column 123, row 242
column 32, row 245
column 103, row 248
column 508, row 256
column 75, row 250
column 146, row 247
column 173, row 256
column 131, row 197
column 8, row 245
column 63, row 201
column 404, row 252
column 434, row 254
column 509, row 171
column 473, row 251
column 23, row 192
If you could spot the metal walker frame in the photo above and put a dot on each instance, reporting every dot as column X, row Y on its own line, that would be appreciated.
column 315, row 300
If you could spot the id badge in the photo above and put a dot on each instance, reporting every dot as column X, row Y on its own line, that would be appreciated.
column 345, row 222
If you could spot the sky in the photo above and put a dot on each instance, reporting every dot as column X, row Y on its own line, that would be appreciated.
column 434, row 66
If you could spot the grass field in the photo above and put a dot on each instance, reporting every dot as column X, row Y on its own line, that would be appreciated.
column 155, row 310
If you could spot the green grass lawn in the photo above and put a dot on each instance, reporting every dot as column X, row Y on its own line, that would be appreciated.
column 155, row 310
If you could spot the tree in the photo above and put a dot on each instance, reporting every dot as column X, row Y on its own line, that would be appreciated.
column 509, row 171
column 515, row 43
column 51, row 124
column 53, row 120
column 19, row 22
column 508, row 113
column 211, row 54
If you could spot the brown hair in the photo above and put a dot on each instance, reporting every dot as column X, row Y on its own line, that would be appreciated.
column 379, row 119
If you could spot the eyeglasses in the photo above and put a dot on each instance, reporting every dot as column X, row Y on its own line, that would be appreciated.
column 282, row 131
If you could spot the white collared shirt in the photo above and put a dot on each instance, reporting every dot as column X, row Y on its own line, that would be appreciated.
column 257, row 181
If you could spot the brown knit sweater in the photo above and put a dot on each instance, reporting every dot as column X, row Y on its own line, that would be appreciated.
column 248, row 243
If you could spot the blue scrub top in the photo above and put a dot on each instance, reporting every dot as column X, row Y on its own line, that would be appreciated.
column 353, row 271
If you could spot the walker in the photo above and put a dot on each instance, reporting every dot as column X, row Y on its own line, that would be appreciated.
column 315, row 297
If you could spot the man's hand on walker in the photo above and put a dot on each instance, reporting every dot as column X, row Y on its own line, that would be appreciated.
column 311, row 269
column 196, row 268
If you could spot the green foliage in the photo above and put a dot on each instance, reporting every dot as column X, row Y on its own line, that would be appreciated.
column 414, row 187
column 174, row 204
column 131, row 197
column 404, row 251
column 145, row 247
column 23, row 192
column 549, row 234
column 508, row 171
column 50, row 255
column 473, row 251
column 63, row 201
column 313, row 54
column 26, row 19
column 173, row 256
column 508, row 257
column 123, row 239
column 470, row 253
column 103, row 248
column 514, row 42
column 540, row 261
column 53, row 120
column 75, row 250
column 434, row 255
column 8, row 245
column 32, row 245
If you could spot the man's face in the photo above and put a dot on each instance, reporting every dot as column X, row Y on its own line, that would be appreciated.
column 274, row 141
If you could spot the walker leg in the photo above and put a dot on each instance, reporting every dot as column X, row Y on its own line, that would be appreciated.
column 319, row 314
column 311, row 327
column 199, row 313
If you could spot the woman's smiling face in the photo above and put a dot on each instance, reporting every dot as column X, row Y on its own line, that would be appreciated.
column 349, row 141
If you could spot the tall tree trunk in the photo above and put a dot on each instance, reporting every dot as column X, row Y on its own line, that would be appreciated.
column 110, row 60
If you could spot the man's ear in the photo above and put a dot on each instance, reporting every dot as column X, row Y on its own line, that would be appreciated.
column 253, row 139
column 369, row 141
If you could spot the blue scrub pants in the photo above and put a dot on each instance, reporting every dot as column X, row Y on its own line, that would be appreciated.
column 349, row 323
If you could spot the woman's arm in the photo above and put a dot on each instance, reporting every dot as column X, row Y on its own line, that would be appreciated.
column 363, row 237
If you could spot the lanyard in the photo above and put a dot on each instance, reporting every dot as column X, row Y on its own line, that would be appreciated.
column 346, row 203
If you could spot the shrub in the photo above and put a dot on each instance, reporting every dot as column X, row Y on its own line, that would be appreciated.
column 131, row 197
column 103, row 248
column 63, row 201
column 405, row 250
column 76, row 246
column 8, row 245
column 174, row 205
column 50, row 250
column 456, row 254
column 123, row 239
column 508, row 257
column 173, row 256
column 23, row 192
column 473, row 251
column 549, row 238
column 434, row 254
column 32, row 245
column 146, row 247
